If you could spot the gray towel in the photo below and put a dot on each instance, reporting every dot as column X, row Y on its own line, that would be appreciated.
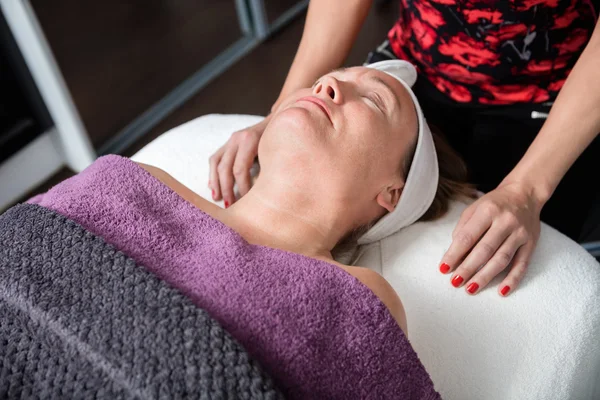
column 79, row 319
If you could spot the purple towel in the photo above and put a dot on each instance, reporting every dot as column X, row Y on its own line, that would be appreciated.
column 318, row 331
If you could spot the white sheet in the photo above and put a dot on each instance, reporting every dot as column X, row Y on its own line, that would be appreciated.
column 541, row 342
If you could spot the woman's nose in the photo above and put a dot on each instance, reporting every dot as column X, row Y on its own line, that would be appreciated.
column 330, row 87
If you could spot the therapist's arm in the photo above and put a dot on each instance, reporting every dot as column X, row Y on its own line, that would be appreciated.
column 573, row 122
column 501, row 229
column 330, row 30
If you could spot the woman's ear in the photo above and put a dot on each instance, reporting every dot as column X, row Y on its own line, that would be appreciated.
column 389, row 197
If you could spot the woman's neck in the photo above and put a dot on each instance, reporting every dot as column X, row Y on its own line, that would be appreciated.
column 286, row 219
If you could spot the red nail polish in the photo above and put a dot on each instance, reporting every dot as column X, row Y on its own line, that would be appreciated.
column 213, row 193
column 444, row 268
column 457, row 280
column 505, row 290
column 226, row 204
column 472, row 288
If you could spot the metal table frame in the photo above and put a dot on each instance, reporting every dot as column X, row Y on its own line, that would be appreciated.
column 70, row 135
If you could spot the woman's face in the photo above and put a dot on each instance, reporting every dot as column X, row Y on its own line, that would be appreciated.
column 344, row 139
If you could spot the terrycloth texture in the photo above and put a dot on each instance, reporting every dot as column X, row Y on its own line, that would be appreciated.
column 318, row 331
column 81, row 320
column 541, row 342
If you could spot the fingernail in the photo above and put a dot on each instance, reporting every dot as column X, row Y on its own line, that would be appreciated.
column 505, row 290
column 444, row 268
column 226, row 204
column 472, row 288
column 213, row 193
column 457, row 280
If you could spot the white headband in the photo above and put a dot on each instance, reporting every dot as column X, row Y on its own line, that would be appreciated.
column 422, row 181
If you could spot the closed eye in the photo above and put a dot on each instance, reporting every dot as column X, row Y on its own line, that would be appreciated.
column 376, row 100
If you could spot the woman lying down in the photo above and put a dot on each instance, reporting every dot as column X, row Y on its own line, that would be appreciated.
column 351, row 159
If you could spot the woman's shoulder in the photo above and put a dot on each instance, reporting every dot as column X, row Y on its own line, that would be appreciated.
column 382, row 289
column 182, row 190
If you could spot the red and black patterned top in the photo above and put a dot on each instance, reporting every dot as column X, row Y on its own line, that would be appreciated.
column 494, row 51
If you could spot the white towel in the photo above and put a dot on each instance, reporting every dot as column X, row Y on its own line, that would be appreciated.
column 540, row 342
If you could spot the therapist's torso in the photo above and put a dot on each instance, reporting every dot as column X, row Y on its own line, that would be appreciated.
column 494, row 51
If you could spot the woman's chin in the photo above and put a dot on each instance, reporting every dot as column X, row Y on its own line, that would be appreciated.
column 300, row 120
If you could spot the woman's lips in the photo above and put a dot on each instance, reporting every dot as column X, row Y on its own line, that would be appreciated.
column 319, row 103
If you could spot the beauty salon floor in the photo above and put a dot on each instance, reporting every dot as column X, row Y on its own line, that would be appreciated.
column 253, row 83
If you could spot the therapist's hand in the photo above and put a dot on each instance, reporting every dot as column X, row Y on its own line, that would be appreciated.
column 496, row 232
column 232, row 163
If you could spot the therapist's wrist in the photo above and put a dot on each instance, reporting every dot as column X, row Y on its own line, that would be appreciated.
column 534, row 187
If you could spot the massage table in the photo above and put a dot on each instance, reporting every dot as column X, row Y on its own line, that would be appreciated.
column 540, row 342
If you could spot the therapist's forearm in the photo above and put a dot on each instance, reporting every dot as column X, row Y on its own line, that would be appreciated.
column 573, row 122
column 329, row 32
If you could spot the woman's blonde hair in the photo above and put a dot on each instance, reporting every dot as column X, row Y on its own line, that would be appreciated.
column 453, row 181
